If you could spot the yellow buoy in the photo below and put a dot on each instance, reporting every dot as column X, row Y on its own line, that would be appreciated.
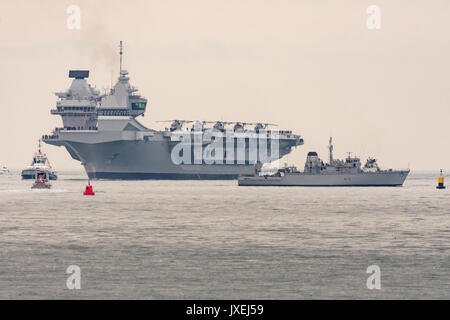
column 440, row 182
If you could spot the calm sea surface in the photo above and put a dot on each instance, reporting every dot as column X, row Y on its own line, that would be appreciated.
column 215, row 240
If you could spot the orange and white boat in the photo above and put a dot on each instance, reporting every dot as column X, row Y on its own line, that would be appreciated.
column 41, row 181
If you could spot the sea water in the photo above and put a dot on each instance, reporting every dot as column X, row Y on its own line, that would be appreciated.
column 216, row 240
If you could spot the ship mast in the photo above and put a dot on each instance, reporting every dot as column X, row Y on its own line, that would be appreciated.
column 330, row 148
column 120, row 56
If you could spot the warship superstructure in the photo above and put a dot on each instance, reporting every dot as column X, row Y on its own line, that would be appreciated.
column 336, row 172
column 101, row 131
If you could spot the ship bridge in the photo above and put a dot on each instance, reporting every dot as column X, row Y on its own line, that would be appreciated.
column 122, row 100
column 78, row 105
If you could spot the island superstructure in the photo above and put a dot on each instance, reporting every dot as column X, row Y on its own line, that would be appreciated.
column 336, row 172
column 101, row 131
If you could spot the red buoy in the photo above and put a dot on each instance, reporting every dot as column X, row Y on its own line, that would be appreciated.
column 89, row 191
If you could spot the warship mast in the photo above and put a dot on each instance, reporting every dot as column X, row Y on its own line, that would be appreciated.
column 330, row 148
column 121, row 56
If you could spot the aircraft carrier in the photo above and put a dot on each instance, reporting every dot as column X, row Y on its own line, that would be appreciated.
column 101, row 131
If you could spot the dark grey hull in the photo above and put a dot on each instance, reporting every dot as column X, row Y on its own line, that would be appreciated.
column 159, row 176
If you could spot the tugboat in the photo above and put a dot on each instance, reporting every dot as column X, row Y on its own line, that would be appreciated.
column 41, row 181
column 337, row 172
column 40, row 163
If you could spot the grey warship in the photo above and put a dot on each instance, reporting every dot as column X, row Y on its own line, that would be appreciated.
column 337, row 173
column 101, row 131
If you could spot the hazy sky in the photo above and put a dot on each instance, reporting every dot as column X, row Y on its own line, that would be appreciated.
column 311, row 66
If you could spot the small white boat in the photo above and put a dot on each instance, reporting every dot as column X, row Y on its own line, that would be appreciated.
column 40, row 162
column 4, row 169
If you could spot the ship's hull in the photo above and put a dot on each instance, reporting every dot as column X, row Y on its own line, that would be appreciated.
column 363, row 179
column 159, row 176
column 137, row 160
column 41, row 186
